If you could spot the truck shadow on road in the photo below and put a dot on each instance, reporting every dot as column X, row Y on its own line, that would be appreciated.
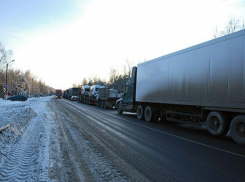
column 190, row 132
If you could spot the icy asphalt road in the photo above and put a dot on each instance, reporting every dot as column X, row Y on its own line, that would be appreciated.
column 163, row 151
column 60, row 140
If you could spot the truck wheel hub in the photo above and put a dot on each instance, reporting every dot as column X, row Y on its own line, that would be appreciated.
column 241, row 129
column 215, row 124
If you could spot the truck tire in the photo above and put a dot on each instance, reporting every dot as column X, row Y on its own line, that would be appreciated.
column 149, row 114
column 140, row 112
column 119, row 111
column 104, row 105
column 217, row 124
column 237, row 129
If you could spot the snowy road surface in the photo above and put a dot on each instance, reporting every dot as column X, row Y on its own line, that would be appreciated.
column 41, row 145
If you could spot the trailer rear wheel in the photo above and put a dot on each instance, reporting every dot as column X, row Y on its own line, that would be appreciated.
column 119, row 110
column 217, row 124
column 140, row 112
column 150, row 115
column 237, row 129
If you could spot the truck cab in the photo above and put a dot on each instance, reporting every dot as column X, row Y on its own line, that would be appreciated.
column 83, row 93
column 58, row 93
column 93, row 91
column 126, row 103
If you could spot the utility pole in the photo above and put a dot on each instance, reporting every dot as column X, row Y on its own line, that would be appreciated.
column 6, row 84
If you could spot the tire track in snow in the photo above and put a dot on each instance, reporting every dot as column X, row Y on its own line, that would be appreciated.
column 95, row 166
column 28, row 159
column 100, row 167
column 72, row 157
column 22, row 159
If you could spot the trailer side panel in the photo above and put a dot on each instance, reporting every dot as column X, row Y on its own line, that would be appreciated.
column 208, row 74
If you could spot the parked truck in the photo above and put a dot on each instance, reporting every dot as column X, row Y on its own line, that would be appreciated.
column 203, row 84
column 106, row 98
column 58, row 93
column 93, row 90
column 83, row 93
column 72, row 92
column 66, row 94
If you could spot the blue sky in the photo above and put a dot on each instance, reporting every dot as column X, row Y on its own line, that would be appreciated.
column 23, row 19
column 63, row 41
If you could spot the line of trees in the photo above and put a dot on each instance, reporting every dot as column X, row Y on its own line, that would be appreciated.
column 19, row 82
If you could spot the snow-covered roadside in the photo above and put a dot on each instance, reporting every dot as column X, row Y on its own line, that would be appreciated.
column 14, row 112
column 17, row 114
column 24, row 146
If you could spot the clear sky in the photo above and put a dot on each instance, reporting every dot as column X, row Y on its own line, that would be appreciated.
column 63, row 41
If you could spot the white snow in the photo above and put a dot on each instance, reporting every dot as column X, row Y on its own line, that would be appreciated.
column 26, row 140
column 17, row 112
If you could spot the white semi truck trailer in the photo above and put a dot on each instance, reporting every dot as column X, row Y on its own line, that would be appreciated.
column 201, row 84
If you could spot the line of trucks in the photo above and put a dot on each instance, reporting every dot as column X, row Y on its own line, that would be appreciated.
column 100, row 95
column 202, row 84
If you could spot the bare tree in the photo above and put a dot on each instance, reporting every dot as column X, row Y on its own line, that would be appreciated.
column 113, row 75
column 90, row 81
column 84, row 82
column 2, row 53
column 5, row 55
column 96, row 80
column 119, row 81
column 19, row 82
column 233, row 25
